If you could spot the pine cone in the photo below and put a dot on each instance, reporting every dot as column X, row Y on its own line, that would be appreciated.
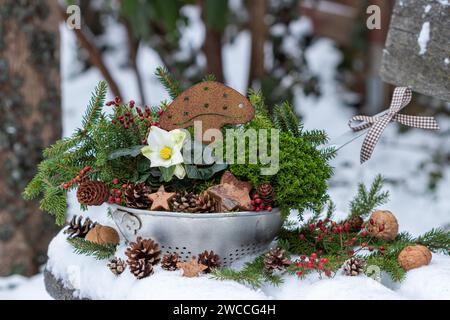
column 266, row 193
column 141, row 268
column 185, row 202
column 146, row 249
column 354, row 266
column 354, row 224
column 210, row 260
column 79, row 229
column 92, row 193
column 117, row 266
column 136, row 196
column 276, row 259
column 206, row 204
column 169, row 262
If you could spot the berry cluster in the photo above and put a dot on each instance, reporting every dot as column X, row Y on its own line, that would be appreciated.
column 116, row 194
column 81, row 177
column 127, row 115
column 312, row 263
column 257, row 204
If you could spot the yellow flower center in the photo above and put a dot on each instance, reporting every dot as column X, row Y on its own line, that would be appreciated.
column 165, row 153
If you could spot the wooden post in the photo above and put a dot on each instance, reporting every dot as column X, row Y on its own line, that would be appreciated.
column 417, row 52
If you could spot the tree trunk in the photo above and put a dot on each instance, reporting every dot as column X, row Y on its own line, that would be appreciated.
column 212, row 48
column 257, row 11
column 30, row 119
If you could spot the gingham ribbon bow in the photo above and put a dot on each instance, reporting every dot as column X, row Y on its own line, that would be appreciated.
column 401, row 98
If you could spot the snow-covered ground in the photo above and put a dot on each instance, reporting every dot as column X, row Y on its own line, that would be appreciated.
column 402, row 159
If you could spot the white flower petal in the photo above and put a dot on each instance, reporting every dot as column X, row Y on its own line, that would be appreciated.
column 180, row 172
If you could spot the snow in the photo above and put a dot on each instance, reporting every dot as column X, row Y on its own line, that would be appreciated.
column 446, row 60
column 402, row 158
column 424, row 37
column 427, row 8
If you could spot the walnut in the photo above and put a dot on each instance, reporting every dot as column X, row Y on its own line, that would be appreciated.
column 103, row 235
column 383, row 225
column 414, row 257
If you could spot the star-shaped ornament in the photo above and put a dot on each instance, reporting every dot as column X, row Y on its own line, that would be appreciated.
column 160, row 199
column 191, row 269
column 231, row 194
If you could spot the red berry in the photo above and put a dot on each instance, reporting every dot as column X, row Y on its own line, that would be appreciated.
column 381, row 228
column 311, row 227
column 313, row 256
column 132, row 103
column 363, row 244
column 252, row 202
column 252, row 208
column 66, row 186
column 302, row 258
column 269, row 208
column 370, row 248
column 118, row 193
column 364, row 233
column 111, row 199
column 353, row 239
column 124, row 186
column 255, row 196
column 310, row 265
column 126, row 126
column 299, row 273
column 116, row 181
column 301, row 236
column 117, row 100
column 351, row 252
column 118, row 200
column 258, row 209
column 382, row 248
column 371, row 222
column 328, row 273
column 258, row 201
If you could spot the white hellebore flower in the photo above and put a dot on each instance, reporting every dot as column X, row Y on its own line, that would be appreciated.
column 164, row 149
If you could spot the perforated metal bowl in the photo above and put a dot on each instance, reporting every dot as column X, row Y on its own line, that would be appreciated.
column 230, row 235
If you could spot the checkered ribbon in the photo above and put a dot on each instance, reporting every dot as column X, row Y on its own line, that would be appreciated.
column 377, row 124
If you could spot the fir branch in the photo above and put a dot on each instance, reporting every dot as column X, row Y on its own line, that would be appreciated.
column 285, row 119
column 387, row 264
column 88, row 248
column 94, row 109
column 172, row 86
column 315, row 137
column 209, row 77
column 367, row 200
column 256, row 98
column 328, row 153
column 252, row 274
column 436, row 240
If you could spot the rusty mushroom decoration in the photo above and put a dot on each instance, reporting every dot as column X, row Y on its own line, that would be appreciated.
column 212, row 103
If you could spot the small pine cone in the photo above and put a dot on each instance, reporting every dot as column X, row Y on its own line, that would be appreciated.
column 209, row 259
column 169, row 262
column 92, row 193
column 79, row 229
column 276, row 259
column 206, row 204
column 137, row 196
column 143, row 249
column 266, row 193
column 141, row 268
column 117, row 266
column 185, row 202
column 354, row 224
column 354, row 266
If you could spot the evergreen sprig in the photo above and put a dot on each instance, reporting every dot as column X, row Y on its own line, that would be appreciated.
column 166, row 79
column 286, row 120
column 64, row 160
column 252, row 274
column 367, row 200
column 88, row 248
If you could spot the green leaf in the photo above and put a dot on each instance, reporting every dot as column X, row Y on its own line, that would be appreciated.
column 204, row 173
column 99, row 251
column 133, row 151
column 167, row 173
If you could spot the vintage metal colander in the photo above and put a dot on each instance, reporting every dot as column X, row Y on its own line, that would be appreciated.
column 230, row 235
